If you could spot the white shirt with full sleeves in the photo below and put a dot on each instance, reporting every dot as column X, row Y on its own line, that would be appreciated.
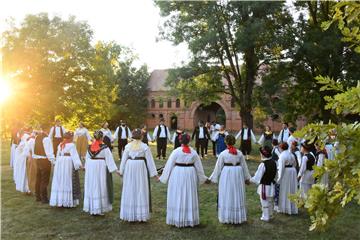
column 162, row 133
column 123, row 133
column 216, row 135
column 55, row 132
column 82, row 132
column 48, row 147
column 269, row 189
column 245, row 136
column 306, row 176
column 284, row 134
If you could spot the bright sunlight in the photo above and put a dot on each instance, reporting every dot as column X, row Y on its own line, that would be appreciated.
column 5, row 90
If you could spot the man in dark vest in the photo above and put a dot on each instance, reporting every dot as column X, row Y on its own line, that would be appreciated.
column 145, row 135
column 284, row 133
column 57, row 134
column 43, row 153
column 246, row 135
column 305, row 175
column 161, row 134
column 122, row 134
column 177, row 137
column 265, row 178
column 201, row 135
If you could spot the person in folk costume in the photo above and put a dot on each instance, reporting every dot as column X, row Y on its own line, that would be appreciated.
column 265, row 177
column 82, row 138
column 176, row 138
column 219, row 139
column 183, row 173
column 31, row 164
column 21, row 153
column 267, row 137
column 57, row 134
column 306, row 169
column 65, row 188
column 208, row 127
column 214, row 128
column 284, row 133
column 291, row 138
column 161, row 134
column 43, row 153
column 231, row 172
column 15, row 140
column 98, row 187
column 108, row 138
column 137, row 166
column 331, row 145
column 321, row 156
column 287, row 180
column 246, row 135
column 122, row 134
column 275, row 154
column 201, row 135
column 296, row 153
column 146, row 138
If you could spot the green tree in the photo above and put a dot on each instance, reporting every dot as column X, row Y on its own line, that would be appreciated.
column 230, row 43
column 323, row 203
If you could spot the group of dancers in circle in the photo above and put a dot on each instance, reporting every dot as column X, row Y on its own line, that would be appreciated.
column 287, row 164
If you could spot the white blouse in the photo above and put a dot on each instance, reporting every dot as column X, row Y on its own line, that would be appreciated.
column 82, row 132
column 71, row 149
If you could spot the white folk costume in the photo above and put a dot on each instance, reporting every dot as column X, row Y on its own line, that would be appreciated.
column 266, row 138
column 82, row 139
column 14, row 142
column 283, row 135
column 306, row 173
column 98, row 186
column 161, row 134
column 246, row 135
column 62, row 188
column 56, row 135
column 230, row 172
column 287, row 179
column 214, row 128
column 183, row 172
column 265, row 177
column 292, row 139
column 122, row 134
column 108, row 139
column 320, row 161
column 21, row 153
column 137, row 166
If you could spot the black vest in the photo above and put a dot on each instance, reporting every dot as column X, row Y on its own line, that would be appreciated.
column 159, row 131
column 310, row 162
column 274, row 156
column 270, row 172
column 248, row 135
column 39, row 145
column 120, row 132
column 145, row 138
column 177, row 140
column 268, row 136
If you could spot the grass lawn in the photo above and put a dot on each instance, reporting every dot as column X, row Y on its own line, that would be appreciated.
column 23, row 218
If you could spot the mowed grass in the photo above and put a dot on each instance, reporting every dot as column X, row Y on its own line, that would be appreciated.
column 23, row 218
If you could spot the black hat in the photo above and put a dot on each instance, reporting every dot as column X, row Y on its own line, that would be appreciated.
column 307, row 146
column 98, row 134
column 265, row 151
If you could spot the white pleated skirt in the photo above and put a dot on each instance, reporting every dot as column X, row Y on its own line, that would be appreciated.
column 21, row 180
column 61, row 187
column 232, row 195
column 135, row 192
column 12, row 155
column 96, row 200
column 288, row 185
column 182, row 198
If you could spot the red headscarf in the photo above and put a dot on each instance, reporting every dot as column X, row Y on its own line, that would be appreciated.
column 185, row 148
column 232, row 149
column 95, row 146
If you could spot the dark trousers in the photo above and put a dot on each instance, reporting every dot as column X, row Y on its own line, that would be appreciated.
column 200, row 145
column 161, row 147
column 56, row 142
column 42, row 179
column 245, row 147
column 121, row 146
column 214, row 147
column 206, row 146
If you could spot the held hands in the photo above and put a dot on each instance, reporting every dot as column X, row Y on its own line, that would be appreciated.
column 157, row 178
column 207, row 181
column 247, row 182
column 118, row 173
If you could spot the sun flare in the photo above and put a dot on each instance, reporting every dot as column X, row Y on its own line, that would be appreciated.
column 5, row 90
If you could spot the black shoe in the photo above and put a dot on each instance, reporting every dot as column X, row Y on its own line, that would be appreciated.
column 46, row 201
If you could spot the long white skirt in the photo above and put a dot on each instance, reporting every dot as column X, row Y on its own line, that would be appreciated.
column 62, row 188
column 96, row 200
column 135, row 192
column 232, row 196
column 12, row 155
column 21, row 180
column 182, row 198
column 288, row 185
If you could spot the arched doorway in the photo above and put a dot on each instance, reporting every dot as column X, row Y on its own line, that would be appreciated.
column 173, row 122
column 210, row 113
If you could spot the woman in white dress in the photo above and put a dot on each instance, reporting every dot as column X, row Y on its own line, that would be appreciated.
column 107, row 135
column 231, row 172
column 183, row 172
column 82, row 139
column 137, row 166
column 98, row 180
column 21, row 153
column 321, row 156
column 287, row 178
column 62, row 188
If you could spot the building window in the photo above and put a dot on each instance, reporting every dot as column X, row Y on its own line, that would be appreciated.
column 161, row 115
column 161, row 103
column 232, row 102
column 152, row 103
column 153, row 115
column 169, row 103
column 177, row 104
